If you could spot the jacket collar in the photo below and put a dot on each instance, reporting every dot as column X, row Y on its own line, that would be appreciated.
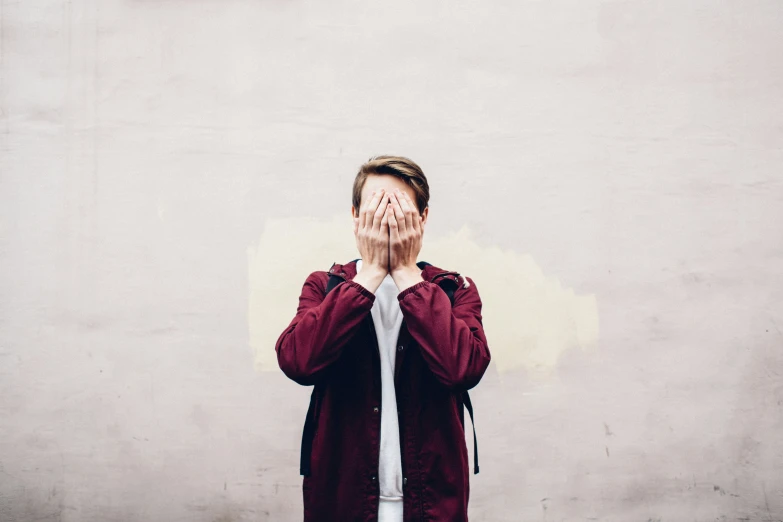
column 429, row 273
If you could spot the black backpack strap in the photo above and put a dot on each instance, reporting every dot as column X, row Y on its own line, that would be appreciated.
column 333, row 281
column 449, row 289
column 469, row 407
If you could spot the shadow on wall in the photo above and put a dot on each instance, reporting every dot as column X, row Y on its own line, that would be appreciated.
column 529, row 318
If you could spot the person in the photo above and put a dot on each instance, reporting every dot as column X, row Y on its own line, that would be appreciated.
column 389, row 356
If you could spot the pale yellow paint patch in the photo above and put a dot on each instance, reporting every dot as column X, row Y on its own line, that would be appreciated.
column 529, row 317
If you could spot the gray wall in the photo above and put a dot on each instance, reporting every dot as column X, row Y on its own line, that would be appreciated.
column 608, row 173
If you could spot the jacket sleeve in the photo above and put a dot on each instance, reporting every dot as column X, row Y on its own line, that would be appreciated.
column 451, row 338
column 323, row 325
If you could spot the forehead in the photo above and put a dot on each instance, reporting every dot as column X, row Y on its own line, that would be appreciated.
column 385, row 181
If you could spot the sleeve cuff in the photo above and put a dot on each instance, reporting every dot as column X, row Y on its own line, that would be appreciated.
column 412, row 289
column 362, row 290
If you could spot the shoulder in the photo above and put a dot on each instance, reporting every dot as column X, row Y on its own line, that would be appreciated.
column 317, row 280
column 460, row 281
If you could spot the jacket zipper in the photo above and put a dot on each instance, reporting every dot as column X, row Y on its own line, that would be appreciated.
column 376, row 472
column 400, row 426
column 398, row 356
column 377, row 381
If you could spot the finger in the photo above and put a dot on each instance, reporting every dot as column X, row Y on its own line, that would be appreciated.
column 373, row 205
column 399, row 214
column 369, row 208
column 379, row 212
column 363, row 209
column 409, row 209
column 385, row 228
column 385, row 220
column 418, row 219
column 394, row 232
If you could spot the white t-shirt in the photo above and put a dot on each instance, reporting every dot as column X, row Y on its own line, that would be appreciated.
column 387, row 317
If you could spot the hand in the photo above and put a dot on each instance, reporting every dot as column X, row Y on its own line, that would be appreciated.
column 406, row 233
column 372, row 233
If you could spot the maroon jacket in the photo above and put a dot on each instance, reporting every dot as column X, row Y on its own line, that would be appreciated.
column 442, row 351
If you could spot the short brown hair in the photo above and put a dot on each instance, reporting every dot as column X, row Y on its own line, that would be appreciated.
column 398, row 166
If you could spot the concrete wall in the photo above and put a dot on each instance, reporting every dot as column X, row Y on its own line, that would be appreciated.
column 608, row 172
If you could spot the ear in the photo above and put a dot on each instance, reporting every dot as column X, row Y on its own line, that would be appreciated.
column 424, row 216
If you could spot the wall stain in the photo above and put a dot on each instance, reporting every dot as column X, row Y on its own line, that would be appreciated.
column 530, row 318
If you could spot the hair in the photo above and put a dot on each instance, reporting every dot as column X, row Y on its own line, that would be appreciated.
column 403, row 168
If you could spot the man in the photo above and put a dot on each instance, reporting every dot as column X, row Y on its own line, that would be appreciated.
column 389, row 357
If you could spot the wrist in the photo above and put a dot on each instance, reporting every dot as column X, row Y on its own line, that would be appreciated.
column 405, row 277
column 406, row 271
column 370, row 277
column 373, row 271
